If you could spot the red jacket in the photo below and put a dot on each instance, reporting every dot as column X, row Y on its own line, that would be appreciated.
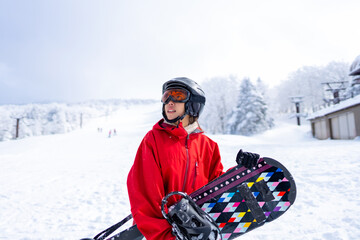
column 168, row 159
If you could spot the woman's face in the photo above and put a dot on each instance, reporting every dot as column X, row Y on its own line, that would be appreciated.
column 174, row 109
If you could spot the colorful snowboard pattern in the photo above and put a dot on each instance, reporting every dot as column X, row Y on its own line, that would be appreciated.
column 241, row 199
column 244, row 199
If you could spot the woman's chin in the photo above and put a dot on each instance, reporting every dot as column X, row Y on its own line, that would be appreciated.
column 171, row 118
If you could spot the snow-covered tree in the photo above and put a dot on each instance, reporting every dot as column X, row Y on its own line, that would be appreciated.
column 221, row 97
column 354, row 83
column 250, row 114
column 353, row 87
column 261, row 87
column 308, row 81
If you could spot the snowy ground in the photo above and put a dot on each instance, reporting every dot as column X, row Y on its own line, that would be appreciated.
column 73, row 185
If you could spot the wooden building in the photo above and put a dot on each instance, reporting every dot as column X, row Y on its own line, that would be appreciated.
column 340, row 121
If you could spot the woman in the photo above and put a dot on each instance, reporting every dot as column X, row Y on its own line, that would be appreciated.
column 174, row 156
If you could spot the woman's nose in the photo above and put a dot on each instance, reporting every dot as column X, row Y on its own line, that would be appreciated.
column 171, row 102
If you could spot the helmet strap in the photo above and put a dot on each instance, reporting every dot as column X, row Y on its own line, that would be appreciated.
column 179, row 118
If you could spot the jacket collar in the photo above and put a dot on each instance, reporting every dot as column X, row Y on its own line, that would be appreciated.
column 178, row 131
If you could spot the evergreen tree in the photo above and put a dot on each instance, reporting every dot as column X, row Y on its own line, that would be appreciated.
column 250, row 114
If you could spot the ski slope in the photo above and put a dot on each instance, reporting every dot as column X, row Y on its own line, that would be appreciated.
column 73, row 185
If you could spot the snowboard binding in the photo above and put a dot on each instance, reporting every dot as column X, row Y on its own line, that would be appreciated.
column 189, row 221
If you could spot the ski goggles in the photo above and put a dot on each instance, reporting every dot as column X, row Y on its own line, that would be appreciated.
column 176, row 95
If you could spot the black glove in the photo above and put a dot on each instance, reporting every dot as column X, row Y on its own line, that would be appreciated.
column 247, row 159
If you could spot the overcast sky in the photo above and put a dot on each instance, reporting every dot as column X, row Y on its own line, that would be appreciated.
column 77, row 50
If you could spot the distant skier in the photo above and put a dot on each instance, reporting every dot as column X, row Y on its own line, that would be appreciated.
column 174, row 156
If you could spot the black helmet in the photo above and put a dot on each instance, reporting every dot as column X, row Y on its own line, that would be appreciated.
column 195, row 105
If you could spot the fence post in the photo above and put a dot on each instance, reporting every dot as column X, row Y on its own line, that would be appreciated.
column 17, row 127
column 297, row 100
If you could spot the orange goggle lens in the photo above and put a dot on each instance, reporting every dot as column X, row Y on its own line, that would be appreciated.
column 177, row 95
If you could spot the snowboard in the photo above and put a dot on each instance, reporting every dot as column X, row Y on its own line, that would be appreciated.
column 241, row 199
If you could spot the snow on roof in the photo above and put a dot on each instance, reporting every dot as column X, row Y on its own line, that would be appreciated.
column 334, row 108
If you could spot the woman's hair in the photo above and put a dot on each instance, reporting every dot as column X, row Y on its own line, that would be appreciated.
column 192, row 119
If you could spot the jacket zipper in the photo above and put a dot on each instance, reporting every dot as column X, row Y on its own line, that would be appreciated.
column 187, row 162
column 196, row 173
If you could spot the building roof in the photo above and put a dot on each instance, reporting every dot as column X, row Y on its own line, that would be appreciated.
column 335, row 108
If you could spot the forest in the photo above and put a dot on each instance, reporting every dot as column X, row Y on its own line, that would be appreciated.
column 234, row 105
column 233, row 102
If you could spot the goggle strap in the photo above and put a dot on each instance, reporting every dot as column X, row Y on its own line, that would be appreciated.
column 196, row 98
